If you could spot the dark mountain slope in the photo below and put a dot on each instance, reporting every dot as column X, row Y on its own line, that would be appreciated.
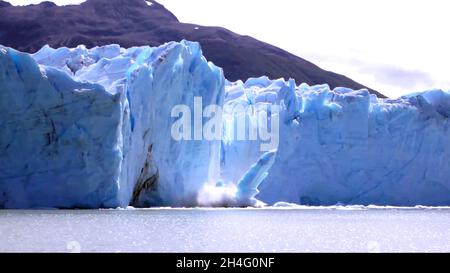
column 134, row 22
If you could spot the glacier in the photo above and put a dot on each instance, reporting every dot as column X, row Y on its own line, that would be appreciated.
column 346, row 146
column 91, row 128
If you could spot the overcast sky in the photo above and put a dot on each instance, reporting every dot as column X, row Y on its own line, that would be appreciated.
column 393, row 46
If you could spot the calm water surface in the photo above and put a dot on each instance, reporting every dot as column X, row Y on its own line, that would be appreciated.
column 226, row 230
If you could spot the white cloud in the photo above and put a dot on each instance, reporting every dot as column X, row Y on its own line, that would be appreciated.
column 408, row 35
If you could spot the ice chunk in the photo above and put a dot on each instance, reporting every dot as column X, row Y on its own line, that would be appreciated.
column 247, row 187
column 241, row 194
column 258, row 82
column 183, row 167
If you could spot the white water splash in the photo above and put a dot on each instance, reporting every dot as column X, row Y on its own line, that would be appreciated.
column 241, row 194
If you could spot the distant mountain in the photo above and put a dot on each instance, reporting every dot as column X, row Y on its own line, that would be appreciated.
column 139, row 22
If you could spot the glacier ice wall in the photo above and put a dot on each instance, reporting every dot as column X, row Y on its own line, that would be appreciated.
column 347, row 146
column 58, row 140
column 91, row 128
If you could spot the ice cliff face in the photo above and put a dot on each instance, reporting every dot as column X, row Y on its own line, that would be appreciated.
column 67, row 143
column 349, row 147
column 90, row 128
